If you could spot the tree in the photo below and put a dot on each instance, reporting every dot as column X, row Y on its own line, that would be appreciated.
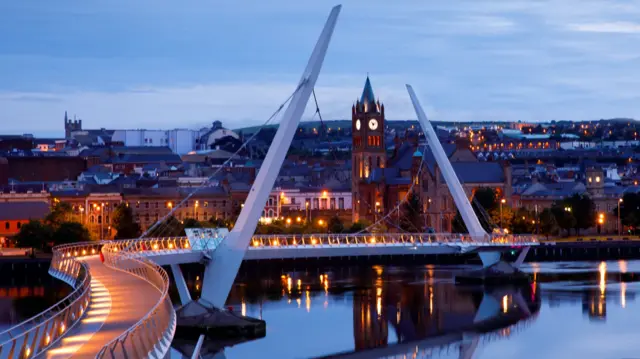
column 502, row 218
column 191, row 223
column 564, row 216
column 548, row 223
column 123, row 223
column 34, row 234
column 359, row 226
column 170, row 227
column 60, row 213
column 629, row 209
column 335, row 225
column 71, row 232
column 410, row 220
column 486, row 197
column 523, row 222
column 583, row 210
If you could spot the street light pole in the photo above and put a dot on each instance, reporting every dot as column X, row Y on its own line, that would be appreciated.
column 619, row 221
column 502, row 201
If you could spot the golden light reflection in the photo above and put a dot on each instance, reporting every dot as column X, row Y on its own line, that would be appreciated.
column 430, row 300
column 505, row 304
column 299, row 302
column 244, row 308
column 603, row 277
column 289, row 284
column 307, row 301
column 299, row 284
column 623, row 266
column 623, row 295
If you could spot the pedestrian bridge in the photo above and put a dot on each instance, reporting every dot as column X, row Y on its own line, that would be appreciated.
column 134, row 266
column 94, row 317
column 201, row 242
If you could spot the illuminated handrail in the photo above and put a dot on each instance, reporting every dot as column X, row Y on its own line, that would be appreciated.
column 170, row 245
column 154, row 331
column 35, row 335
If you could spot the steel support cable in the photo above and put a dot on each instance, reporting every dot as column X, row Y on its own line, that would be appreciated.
column 161, row 221
column 406, row 197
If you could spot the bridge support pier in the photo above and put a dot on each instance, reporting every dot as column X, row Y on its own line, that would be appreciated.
column 181, row 284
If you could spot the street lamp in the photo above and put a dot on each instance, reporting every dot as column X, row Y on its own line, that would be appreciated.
column 502, row 201
column 619, row 221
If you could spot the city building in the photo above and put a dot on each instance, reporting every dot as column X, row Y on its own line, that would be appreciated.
column 14, row 214
column 382, row 181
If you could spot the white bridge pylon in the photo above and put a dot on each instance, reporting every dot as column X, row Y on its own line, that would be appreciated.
column 469, row 217
column 221, row 271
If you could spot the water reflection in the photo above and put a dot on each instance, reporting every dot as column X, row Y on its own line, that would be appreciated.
column 392, row 312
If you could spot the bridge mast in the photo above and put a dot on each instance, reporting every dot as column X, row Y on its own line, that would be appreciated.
column 221, row 271
column 459, row 197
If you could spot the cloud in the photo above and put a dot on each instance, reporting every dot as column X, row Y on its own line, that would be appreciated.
column 160, row 64
column 607, row 27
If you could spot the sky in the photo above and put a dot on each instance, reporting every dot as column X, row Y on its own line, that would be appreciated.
column 163, row 64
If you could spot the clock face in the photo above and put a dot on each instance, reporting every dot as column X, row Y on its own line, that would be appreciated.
column 357, row 124
column 373, row 124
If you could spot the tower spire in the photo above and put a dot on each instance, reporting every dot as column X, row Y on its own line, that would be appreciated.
column 367, row 92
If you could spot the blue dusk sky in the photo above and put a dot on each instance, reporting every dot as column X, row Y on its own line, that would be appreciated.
column 183, row 64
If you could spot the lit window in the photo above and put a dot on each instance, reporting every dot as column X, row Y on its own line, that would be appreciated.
column 597, row 178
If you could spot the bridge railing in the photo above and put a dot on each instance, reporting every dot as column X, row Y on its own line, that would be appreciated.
column 154, row 331
column 35, row 335
column 408, row 239
column 261, row 241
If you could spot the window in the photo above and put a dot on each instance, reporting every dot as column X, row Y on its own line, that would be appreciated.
column 146, row 205
column 293, row 200
column 92, row 219
column 137, row 217
column 341, row 203
column 197, row 216
column 332, row 203
column 146, row 217
column 138, row 204
column 270, row 201
column 224, row 203
column 19, row 225
column 157, row 217
column 316, row 204
column 157, row 205
column 379, row 162
column 6, row 225
column 323, row 204
column 206, row 204
column 99, row 219
column 215, row 204
column 270, row 213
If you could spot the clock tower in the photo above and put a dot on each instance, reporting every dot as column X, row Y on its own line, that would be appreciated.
column 368, row 149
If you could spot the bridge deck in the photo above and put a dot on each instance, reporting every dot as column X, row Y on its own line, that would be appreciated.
column 118, row 301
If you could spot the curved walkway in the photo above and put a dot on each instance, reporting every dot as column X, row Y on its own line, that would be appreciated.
column 118, row 301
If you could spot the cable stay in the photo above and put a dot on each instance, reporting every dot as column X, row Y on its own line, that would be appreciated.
column 161, row 222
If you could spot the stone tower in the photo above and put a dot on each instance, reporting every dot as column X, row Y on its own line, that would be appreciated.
column 368, row 148
column 71, row 126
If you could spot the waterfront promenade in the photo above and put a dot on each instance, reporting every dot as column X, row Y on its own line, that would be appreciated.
column 118, row 301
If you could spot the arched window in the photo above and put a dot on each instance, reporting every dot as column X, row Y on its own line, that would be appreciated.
column 92, row 219
column 270, row 213
column 19, row 224
column 99, row 219
column 6, row 225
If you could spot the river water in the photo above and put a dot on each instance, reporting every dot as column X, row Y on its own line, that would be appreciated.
column 570, row 310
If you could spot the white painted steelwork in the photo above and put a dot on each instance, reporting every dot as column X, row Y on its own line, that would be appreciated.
column 35, row 335
column 221, row 272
